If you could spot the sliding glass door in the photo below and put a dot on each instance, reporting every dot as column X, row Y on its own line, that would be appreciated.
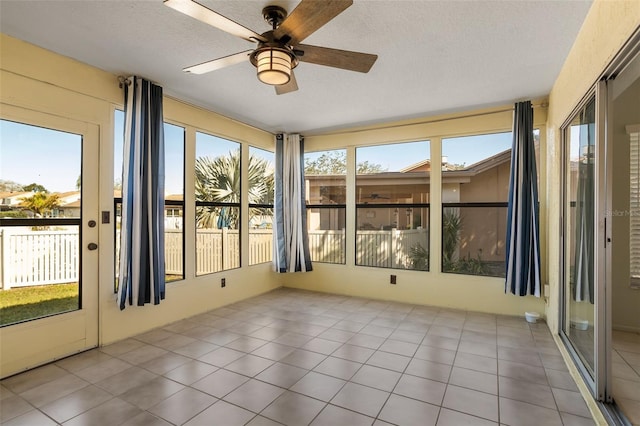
column 583, row 325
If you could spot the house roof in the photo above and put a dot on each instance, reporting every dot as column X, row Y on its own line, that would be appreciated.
column 14, row 194
column 433, row 56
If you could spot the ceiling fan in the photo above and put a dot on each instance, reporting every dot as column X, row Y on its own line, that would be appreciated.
column 279, row 50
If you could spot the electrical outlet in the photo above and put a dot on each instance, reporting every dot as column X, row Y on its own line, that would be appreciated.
column 393, row 279
column 223, row 282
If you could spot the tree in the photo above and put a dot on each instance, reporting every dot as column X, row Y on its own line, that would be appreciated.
column 41, row 203
column 10, row 186
column 218, row 180
column 79, row 183
column 35, row 187
column 335, row 163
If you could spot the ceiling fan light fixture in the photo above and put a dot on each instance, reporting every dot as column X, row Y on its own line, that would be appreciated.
column 274, row 66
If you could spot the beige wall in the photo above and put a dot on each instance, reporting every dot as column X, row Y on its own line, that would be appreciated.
column 608, row 25
column 626, row 301
column 34, row 80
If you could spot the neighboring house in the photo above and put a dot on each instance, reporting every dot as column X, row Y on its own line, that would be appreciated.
column 173, row 215
column 68, row 204
column 485, row 181
column 12, row 200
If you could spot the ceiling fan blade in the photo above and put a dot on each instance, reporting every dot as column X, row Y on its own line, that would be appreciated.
column 208, row 16
column 344, row 59
column 216, row 64
column 291, row 86
column 309, row 16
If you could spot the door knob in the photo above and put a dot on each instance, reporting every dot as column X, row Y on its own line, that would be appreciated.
column 92, row 246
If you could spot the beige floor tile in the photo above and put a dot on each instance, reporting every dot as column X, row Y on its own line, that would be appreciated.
column 476, row 362
column 518, row 413
column 254, row 395
column 455, row 418
column 164, row 363
column 82, row 360
column 409, row 412
column 332, row 416
column 146, row 419
column 472, row 402
column 182, row 406
column 48, row 392
column 421, row 389
column 318, row 386
column 249, row 365
column 78, row 402
column 532, row 393
column 113, row 412
column 34, row 378
column 476, row 380
column 190, row 372
column 573, row 420
column 103, row 370
column 571, row 402
column 222, row 413
column 429, row 353
column 429, row 370
column 149, row 394
column 293, row 409
column 389, row 361
column 31, row 418
column 220, row 383
column 125, row 380
column 337, row 367
column 376, row 377
column 283, row 375
column 363, row 399
column 13, row 406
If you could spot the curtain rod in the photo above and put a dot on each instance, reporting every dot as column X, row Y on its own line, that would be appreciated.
column 123, row 81
column 438, row 120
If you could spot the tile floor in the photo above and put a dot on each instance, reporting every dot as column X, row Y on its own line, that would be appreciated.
column 626, row 373
column 297, row 358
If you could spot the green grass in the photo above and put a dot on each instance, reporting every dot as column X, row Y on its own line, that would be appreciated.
column 21, row 304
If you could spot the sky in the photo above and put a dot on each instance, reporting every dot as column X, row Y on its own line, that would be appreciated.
column 30, row 154
column 463, row 150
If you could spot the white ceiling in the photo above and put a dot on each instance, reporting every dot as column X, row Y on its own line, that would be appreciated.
column 433, row 56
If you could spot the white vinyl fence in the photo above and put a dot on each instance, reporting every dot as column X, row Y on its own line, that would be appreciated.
column 389, row 249
column 38, row 257
column 327, row 246
column 30, row 257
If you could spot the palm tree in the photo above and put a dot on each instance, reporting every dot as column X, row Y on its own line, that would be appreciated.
column 41, row 203
column 218, row 180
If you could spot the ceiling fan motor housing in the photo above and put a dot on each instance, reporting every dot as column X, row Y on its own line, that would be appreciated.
column 274, row 15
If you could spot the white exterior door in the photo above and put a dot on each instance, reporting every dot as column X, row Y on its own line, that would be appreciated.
column 49, row 222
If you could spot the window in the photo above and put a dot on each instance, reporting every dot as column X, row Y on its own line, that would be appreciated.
column 174, row 195
column 174, row 202
column 475, row 188
column 326, row 181
column 40, row 222
column 261, row 181
column 217, row 194
column 392, row 205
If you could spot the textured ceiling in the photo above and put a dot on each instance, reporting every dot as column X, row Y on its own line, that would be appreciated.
column 434, row 56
